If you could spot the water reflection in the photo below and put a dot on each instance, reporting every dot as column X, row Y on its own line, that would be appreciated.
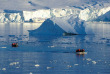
column 10, row 32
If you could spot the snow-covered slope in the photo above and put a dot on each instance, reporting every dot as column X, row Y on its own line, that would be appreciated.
column 95, row 14
column 35, row 10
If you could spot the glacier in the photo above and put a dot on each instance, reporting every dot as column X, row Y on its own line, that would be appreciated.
column 35, row 16
column 88, row 14
column 95, row 14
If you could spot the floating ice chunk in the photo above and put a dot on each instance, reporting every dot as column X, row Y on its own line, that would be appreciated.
column 88, row 59
column 37, row 65
column 14, row 63
column 51, row 46
column 69, row 66
column 94, row 62
column 3, row 47
column 3, row 69
column 76, row 64
column 17, row 67
column 49, row 67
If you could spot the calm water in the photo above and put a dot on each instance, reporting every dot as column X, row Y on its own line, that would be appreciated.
column 54, row 55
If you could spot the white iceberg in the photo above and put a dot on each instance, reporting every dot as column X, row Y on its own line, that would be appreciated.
column 61, row 26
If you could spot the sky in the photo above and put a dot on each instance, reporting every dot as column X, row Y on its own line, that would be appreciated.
column 43, row 4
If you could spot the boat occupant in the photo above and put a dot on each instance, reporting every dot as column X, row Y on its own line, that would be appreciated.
column 14, row 44
column 78, row 50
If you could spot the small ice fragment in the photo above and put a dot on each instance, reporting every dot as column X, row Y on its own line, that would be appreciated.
column 49, row 67
column 3, row 69
column 69, row 66
column 88, row 59
column 94, row 62
column 76, row 64
column 17, row 67
column 37, row 65
column 84, row 59
column 14, row 63
column 3, row 47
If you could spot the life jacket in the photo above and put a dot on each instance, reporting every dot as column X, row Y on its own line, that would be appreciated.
column 14, row 44
column 78, row 50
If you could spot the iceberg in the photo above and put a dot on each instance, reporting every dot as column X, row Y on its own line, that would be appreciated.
column 61, row 26
column 48, row 27
column 71, row 24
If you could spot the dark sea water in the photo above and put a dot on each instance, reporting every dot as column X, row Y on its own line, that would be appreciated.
column 54, row 54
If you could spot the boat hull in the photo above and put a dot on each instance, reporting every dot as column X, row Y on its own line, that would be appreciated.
column 81, row 52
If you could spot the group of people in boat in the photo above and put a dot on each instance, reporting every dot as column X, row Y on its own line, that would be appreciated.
column 14, row 44
column 80, row 50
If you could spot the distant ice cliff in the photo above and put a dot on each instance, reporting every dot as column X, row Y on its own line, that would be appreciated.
column 88, row 14
column 95, row 14
column 35, row 16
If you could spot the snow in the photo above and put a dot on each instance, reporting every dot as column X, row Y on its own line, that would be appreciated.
column 94, row 14
column 88, row 14
column 10, row 17
column 39, row 10
column 35, row 16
